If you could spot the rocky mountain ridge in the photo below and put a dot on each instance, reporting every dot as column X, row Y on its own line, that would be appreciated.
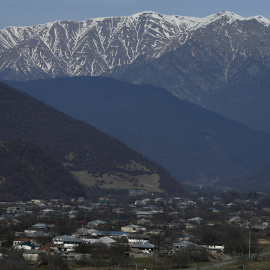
column 223, row 67
column 92, row 47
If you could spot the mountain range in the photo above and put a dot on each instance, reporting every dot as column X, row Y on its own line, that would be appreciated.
column 220, row 62
column 91, row 156
column 223, row 66
column 195, row 145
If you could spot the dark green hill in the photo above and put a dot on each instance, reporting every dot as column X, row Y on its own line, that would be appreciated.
column 92, row 156
column 195, row 145
column 27, row 172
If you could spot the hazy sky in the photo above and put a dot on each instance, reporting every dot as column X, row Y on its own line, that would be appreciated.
column 30, row 12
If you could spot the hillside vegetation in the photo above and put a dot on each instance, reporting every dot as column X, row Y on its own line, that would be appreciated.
column 195, row 145
column 27, row 172
column 77, row 145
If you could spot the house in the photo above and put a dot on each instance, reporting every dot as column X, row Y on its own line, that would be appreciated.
column 139, row 202
column 214, row 248
column 145, row 247
column 72, row 213
column 195, row 220
column 104, row 201
column 39, row 202
column 184, row 245
column 81, row 200
column 120, row 220
column 67, row 242
column 8, row 221
column 37, row 234
column 41, row 226
column 51, row 248
column 20, row 240
column 33, row 255
column 144, row 214
column 186, row 237
column 238, row 221
column 71, row 257
column 188, row 225
column 143, row 221
column 235, row 219
column 46, row 211
column 107, row 241
column 84, row 232
column 138, row 238
column 132, row 228
column 25, row 245
column 15, row 210
column 114, row 234
column 95, row 223
column 156, row 232
column 213, row 210
column 31, row 230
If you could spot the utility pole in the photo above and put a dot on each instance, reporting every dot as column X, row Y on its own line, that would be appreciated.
column 249, row 239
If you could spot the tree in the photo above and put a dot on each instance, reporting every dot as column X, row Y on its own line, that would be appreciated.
column 54, row 262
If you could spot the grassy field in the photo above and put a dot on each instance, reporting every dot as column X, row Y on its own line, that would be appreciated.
column 243, row 264
column 262, row 262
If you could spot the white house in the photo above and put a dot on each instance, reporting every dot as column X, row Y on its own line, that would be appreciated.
column 214, row 248
column 67, row 242
column 107, row 241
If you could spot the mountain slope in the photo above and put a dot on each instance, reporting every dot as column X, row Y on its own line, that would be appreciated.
column 250, row 181
column 92, row 47
column 223, row 66
column 194, row 144
column 220, row 62
column 27, row 172
column 85, row 48
column 94, row 157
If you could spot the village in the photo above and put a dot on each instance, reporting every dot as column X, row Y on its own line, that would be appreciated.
column 141, row 230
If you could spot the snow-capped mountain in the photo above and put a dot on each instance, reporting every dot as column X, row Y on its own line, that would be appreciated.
column 223, row 66
column 92, row 47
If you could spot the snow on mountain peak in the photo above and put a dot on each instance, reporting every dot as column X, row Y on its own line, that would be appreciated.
column 261, row 19
column 93, row 46
column 229, row 16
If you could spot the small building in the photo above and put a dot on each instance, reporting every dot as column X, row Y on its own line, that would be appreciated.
column 67, row 242
column 138, row 238
column 20, row 240
column 145, row 247
column 132, row 228
column 195, row 220
column 214, row 248
column 144, row 214
column 41, row 226
column 96, row 223
column 25, row 245
column 114, row 234
column 106, row 241
column 186, row 245
column 213, row 210
column 33, row 255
